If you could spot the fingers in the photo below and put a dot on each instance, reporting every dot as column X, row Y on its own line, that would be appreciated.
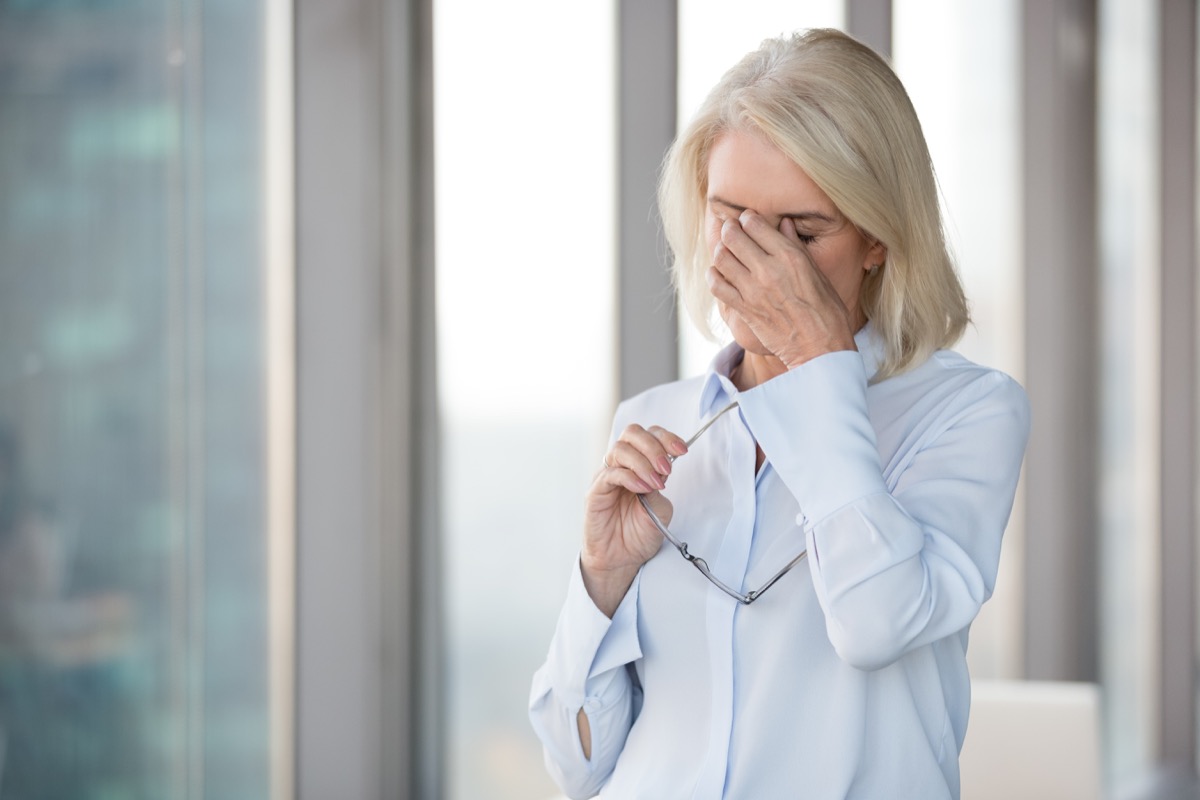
column 746, row 274
column 675, row 445
column 751, row 235
column 722, row 289
column 732, row 274
column 641, row 458
column 726, row 274
column 739, row 236
column 731, row 281
column 787, row 227
column 766, row 237
column 738, row 256
column 624, row 478
column 752, row 250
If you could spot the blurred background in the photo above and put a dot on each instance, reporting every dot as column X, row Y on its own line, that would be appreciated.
column 313, row 316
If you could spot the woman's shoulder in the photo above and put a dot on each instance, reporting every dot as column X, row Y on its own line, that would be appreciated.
column 949, row 391
column 952, row 366
column 950, row 374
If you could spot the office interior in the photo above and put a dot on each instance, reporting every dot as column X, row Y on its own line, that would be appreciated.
column 314, row 313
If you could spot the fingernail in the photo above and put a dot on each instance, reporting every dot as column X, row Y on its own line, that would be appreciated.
column 642, row 486
column 664, row 465
column 678, row 448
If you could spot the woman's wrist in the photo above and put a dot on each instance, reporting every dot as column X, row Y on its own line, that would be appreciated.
column 607, row 587
column 801, row 356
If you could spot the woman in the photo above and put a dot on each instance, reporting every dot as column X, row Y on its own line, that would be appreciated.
column 801, row 201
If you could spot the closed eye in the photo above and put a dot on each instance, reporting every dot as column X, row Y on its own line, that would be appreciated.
column 807, row 238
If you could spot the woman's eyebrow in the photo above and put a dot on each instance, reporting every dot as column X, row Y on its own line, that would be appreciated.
column 801, row 215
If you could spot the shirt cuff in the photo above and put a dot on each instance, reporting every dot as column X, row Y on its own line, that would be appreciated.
column 588, row 646
column 812, row 424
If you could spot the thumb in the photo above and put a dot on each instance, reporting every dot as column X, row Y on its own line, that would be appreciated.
column 661, row 506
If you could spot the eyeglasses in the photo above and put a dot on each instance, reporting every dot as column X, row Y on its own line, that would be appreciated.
column 698, row 562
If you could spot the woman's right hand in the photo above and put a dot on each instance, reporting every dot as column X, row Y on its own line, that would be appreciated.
column 618, row 536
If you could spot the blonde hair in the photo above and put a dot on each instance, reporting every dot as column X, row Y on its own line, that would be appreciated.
column 834, row 107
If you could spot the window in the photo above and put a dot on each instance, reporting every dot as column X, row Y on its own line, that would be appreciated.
column 134, row 454
column 960, row 65
column 525, row 253
column 1129, row 199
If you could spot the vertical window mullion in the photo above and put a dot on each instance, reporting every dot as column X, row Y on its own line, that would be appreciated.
column 1058, row 92
column 646, row 66
column 1179, row 471
column 870, row 21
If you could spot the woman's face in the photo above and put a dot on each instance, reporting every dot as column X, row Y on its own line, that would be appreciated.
column 745, row 171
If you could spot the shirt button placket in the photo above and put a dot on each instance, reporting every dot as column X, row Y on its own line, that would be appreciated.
column 721, row 610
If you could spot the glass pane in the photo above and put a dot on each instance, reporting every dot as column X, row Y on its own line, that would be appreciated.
column 525, row 258
column 1128, row 146
column 711, row 40
column 132, row 577
column 960, row 64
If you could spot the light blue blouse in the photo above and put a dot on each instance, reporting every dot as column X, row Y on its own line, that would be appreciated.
column 848, row 678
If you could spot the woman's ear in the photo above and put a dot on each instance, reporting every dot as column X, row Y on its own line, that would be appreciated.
column 876, row 256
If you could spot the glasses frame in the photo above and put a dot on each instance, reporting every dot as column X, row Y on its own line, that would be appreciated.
column 698, row 562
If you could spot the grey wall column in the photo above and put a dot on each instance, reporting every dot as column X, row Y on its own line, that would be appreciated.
column 410, row 568
column 870, row 21
column 647, row 349
column 1179, row 403
column 1062, row 331
column 365, row 417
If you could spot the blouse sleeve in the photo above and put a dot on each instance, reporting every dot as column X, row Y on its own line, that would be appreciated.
column 903, row 563
column 585, row 668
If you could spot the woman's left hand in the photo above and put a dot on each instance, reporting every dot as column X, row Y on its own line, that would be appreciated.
column 768, row 278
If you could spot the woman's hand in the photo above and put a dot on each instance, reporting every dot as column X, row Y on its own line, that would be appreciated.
column 769, row 279
column 618, row 536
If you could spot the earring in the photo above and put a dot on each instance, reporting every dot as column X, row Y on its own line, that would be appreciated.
column 874, row 270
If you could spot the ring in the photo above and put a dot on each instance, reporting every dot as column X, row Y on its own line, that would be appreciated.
column 605, row 461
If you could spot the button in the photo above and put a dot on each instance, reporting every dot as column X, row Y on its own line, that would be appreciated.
column 591, row 705
column 801, row 520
